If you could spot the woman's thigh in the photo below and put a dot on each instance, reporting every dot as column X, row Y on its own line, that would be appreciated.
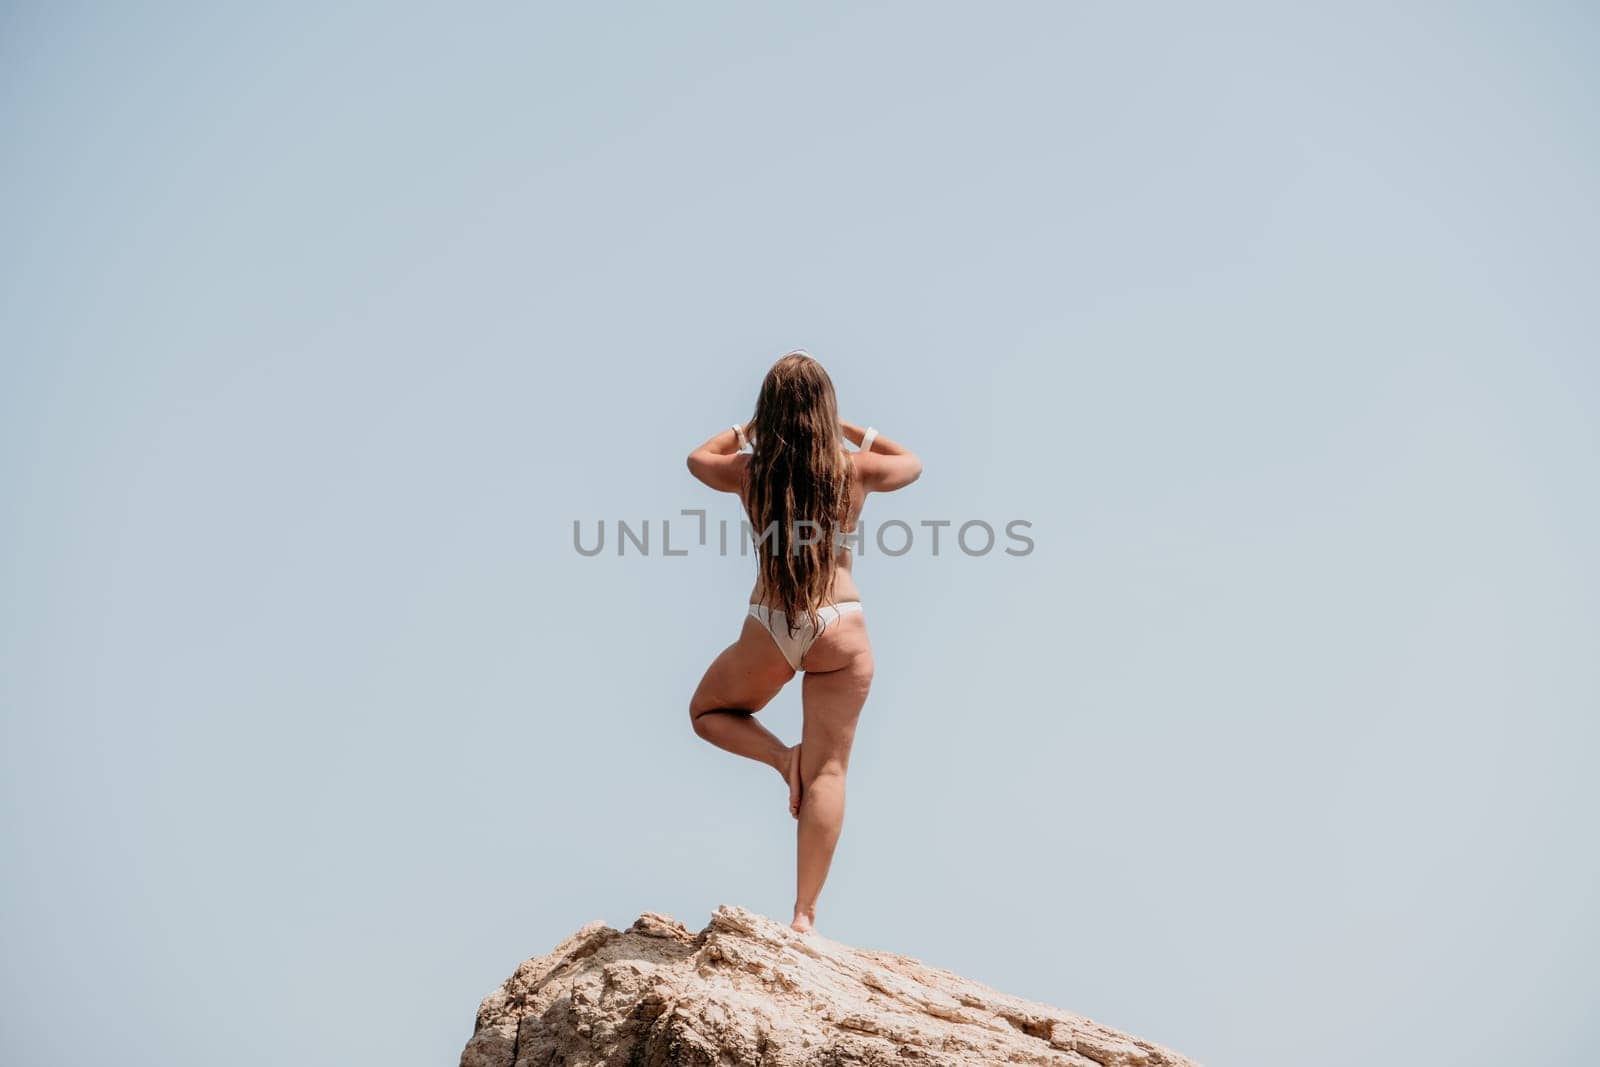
column 838, row 677
column 746, row 675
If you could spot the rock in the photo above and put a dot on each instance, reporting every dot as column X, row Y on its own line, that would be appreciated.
column 748, row 991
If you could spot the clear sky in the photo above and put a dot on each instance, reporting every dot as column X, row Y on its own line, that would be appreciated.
column 319, row 329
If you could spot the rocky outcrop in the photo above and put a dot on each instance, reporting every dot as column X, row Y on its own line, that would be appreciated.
column 747, row 990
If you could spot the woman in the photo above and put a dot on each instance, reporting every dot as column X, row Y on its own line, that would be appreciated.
column 802, row 492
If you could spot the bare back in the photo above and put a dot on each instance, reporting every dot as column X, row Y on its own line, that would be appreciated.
column 844, row 583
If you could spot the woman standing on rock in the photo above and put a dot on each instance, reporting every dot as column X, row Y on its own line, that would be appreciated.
column 803, row 492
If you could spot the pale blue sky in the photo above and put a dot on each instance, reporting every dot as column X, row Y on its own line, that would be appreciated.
column 319, row 329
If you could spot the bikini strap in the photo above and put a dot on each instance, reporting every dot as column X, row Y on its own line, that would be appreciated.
column 744, row 442
column 868, row 437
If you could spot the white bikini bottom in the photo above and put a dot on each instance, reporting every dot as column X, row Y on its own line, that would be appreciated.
column 794, row 648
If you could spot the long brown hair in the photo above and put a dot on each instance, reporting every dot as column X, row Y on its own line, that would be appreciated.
column 798, row 475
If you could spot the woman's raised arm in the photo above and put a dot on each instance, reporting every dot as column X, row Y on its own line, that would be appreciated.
column 719, row 463
column 886, row 465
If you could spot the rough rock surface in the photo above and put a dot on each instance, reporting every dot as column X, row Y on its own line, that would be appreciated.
column 747, row 990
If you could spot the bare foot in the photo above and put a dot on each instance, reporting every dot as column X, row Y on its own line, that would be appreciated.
column 803, row 920
column 792, row 773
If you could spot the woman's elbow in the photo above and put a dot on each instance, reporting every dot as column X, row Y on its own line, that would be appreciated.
column 703, row 469
column 906, row 471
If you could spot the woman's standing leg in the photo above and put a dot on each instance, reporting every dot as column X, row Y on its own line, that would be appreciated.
column 833, row 700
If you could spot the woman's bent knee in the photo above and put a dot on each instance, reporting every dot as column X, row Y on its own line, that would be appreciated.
column 698, row 710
